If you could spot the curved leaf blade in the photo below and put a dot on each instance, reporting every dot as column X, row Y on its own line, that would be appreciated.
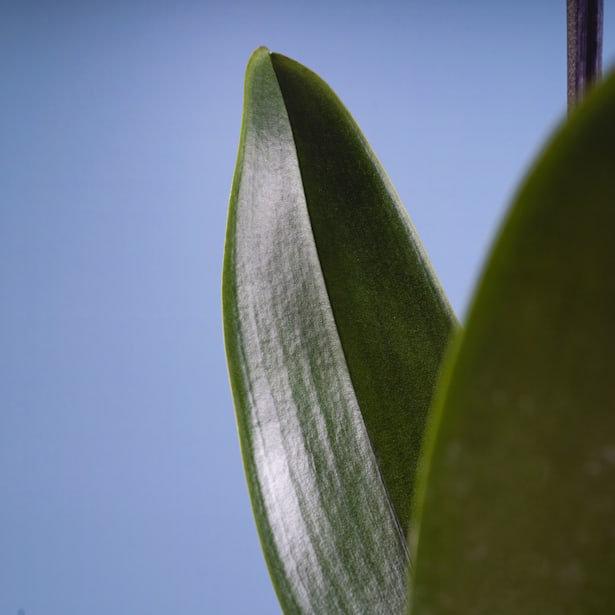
column 332, row 539
column 518, row 498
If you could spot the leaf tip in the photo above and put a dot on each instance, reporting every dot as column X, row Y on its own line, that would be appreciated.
column 260, row 52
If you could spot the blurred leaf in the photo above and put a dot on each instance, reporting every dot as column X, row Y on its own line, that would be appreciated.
column 335, row 327
column 516, row 502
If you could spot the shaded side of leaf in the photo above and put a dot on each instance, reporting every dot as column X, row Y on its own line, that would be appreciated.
column 393, row 319
column 517, row 501
column 330, row 536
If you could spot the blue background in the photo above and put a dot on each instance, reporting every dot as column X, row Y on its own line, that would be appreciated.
column 121, row 484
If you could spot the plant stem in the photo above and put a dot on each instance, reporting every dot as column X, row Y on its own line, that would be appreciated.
column 584, row 28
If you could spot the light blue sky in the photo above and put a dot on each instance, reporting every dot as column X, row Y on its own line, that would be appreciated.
column 120, row 475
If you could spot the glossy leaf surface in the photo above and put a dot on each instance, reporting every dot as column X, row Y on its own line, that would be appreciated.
column 517, row 495
column 335, row 327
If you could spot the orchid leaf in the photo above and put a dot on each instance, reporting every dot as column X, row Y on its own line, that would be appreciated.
column 335, row 328
column 517, row 485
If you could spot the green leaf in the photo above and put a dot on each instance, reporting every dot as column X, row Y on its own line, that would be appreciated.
column 335, row 327
column 517, row 495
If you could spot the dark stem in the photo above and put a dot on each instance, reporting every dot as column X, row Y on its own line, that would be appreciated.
column 584, row 27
